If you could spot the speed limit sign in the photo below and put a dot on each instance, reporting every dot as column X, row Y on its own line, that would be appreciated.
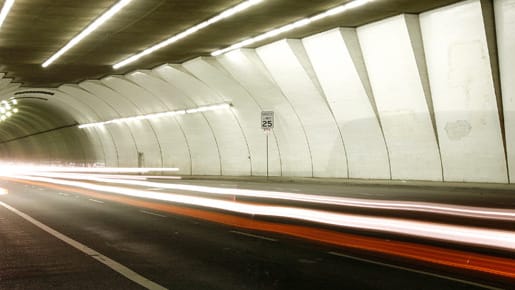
column 267, row 120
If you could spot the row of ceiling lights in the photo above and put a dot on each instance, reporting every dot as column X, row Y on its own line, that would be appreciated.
column 152, row 116
column 8, row 109
column 225, row 14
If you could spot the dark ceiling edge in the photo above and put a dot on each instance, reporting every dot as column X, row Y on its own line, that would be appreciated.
column 39, row 133
column 33, row 92
column 13, row 79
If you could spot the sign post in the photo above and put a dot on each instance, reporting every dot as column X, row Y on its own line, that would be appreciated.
column 267, row 124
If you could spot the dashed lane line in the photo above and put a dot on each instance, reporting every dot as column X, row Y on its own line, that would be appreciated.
column 95, row 200
column 254, row 236
column 412, row 270
column 152, row 213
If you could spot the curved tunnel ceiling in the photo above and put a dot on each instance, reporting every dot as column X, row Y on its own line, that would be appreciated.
column 34, row 30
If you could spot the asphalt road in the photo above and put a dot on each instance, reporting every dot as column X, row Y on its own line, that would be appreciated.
column 173, row 251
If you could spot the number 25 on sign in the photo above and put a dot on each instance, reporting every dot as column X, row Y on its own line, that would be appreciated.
column 267, row 120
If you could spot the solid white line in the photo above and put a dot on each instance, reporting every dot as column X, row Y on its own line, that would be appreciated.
column 123, row 270
column 254, row 236
column 412, row 270
column 152, row 213
column 95, row 200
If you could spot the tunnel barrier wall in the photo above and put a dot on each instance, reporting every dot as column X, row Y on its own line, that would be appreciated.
column 410, row 97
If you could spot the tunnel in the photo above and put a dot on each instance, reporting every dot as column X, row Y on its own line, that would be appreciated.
column 257, row 144
column 436, row 104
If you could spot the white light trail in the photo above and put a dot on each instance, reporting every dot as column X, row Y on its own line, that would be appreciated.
column 126, row 176
column 8, row 4
column 89, row 29
column 34, row 169
column 225, row 14
column 293, row 26
column 426, row 207
column 152, row 116
column 492, row 238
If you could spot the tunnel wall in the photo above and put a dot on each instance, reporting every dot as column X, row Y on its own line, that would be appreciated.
column 410, row 97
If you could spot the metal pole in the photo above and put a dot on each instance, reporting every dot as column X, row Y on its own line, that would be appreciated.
column 267, row 155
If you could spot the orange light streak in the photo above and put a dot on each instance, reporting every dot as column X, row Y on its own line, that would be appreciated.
column 496, row 266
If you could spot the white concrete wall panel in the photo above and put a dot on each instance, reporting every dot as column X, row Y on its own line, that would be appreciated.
column 232, row 146
column 202, row 147
column 173, row 145
column 246, row 110
column 338, row 62
column 83, row 113
column 103, row 112
column 135, row 95
column 463, row 93
column 144, row 103
column 202, row 150
column 398, row 89
column 130, row 138
column 246, row 67
column 287, row 63
column 505, row 25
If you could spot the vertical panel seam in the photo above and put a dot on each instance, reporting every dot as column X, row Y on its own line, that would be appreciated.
column 488, row 16
column 373, row 104
column 421, row 61
column 261, row 108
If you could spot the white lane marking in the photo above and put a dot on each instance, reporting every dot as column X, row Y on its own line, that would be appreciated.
column 123, row 270
column 254, row 236
column 95, row 200
column 412, row 270
column 63, row 194
column 151, row 213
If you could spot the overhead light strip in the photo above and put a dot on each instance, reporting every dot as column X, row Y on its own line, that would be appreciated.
column 225, row 14
column 294, row 25
column 201, row 109
column 92, row 27
column 5, row 10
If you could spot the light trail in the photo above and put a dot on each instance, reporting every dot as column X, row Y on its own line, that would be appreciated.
column 36, row 169
column 426, row 207
column 120, row 176
column 491, row 238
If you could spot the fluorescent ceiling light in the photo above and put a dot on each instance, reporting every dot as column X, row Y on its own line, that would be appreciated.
column 225, row 14
column 92, row 27
column 5, row 10
column 215, row 107
column 294, row 25
column 7, row 110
